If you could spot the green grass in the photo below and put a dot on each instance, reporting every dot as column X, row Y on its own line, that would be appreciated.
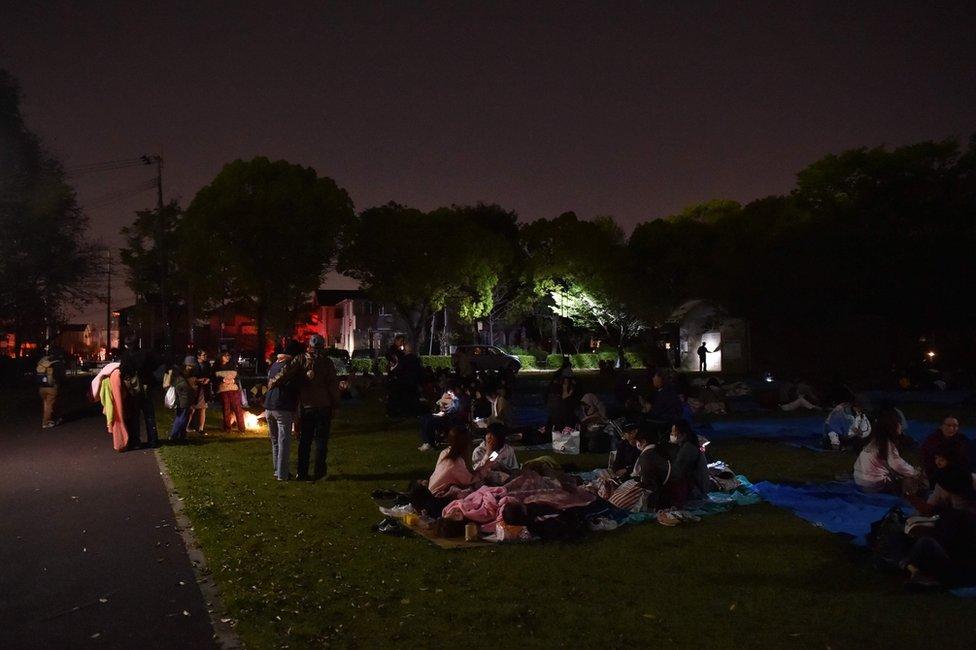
column 298, row 565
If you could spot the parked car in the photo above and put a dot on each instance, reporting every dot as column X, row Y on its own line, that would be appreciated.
column 487, row 357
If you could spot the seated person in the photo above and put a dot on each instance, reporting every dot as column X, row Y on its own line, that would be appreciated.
column 501, row 408
column 945, row 557
column 665, row 404
column 847, row 426
column 622, row 460
column 879, row 467
column 480, row 408
column 954, row 487
column 495, row 441
column 798, row 395
column 593, row 414
column 448, row 407
column 689, row 467
column 947, row 438
column 452, row 477
column 653, row 471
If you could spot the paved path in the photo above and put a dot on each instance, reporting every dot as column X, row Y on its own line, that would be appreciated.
column 81, row 524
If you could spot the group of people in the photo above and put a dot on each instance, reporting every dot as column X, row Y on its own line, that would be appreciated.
column 195, row 384
column 942, row 490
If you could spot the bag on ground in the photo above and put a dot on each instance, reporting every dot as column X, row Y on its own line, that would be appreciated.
column 566, row 442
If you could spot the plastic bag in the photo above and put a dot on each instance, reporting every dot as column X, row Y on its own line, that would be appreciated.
column 566, row 442
column 170, row 398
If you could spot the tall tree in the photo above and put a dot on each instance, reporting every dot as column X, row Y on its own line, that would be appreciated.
column 273, row 229
column 404, row 258
column 151, row 257
column 47, row 264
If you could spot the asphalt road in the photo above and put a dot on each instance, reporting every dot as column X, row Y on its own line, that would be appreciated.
column 89, row 551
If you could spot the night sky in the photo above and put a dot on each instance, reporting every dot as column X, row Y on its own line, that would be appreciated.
column 630, row 109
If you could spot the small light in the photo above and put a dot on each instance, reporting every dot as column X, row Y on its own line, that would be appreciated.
column 768, row 377
column 930, row 354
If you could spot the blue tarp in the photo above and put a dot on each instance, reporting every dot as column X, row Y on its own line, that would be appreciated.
column 836, row 506
column 839, row 508
column 805, row 431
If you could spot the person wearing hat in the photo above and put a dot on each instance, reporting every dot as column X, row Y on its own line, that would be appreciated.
column 319, row 398
column 281, row 402
column 181, row 382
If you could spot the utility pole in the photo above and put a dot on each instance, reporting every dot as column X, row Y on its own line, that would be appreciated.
column 161, row 235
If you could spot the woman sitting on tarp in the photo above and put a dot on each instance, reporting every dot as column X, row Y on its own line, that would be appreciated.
column 948, row 438
column 879, row 467
column 593, row 414
column 452, row 477
column 649, row 487
column 690, row 466
column 847, row 426
column 944, row 557
column 953, row 486
column 495, row 443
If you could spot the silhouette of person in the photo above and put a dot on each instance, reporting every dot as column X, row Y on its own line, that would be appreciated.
column 702, row 356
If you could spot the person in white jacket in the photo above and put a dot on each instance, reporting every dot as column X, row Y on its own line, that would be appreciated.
column 847, row 426
column 879, row 467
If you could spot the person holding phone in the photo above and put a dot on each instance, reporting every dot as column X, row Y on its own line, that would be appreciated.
column 495, row 449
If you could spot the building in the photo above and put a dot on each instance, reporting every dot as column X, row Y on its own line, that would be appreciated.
column 699, row 321
column 350, row 321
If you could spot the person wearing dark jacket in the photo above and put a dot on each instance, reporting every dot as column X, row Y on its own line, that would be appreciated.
column 137, row 368
column 653, row 470
column 319, row 398
column 666, row 405
column 950, row 440
column 180, row 381
column 281, row 402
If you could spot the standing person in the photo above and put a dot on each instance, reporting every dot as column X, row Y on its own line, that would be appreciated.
column 281, row 402
column 702, row 357
column 319, row 399
column 50, row 375
column 182, row 383
column 229, row 390
column 138, row 366
column 394, row 355
column 203, row 394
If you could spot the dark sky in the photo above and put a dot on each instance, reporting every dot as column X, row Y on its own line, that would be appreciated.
column 630, row 109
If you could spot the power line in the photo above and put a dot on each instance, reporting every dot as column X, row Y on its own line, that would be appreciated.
column 108, row 165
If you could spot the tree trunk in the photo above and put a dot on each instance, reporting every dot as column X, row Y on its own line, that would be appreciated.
column 555, row 334
column 190, row 316
column 446, row 336
column 433, row 319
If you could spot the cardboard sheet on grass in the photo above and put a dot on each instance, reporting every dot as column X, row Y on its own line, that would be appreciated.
column 838, row 507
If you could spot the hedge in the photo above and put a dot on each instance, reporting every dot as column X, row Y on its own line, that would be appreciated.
column 436, row 361
column 362, row 366
column 587, row 361
column 527, row 360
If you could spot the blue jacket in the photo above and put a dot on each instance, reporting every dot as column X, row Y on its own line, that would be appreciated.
column 283, row 397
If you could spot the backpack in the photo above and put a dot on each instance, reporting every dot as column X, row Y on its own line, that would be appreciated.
column 887, row 539
column 44, row 371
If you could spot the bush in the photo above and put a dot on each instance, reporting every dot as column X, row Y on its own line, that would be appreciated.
column 540, row 355
column 527, row 360
column 362, row 366
column 554, row 360
column 436, row 361
column 607, row 355
column 633, row 360
column 584, row 361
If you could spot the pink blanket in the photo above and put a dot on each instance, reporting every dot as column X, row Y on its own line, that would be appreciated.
column 482, row 506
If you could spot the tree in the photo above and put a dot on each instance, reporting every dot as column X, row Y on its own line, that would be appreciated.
column 151, row 257
column 271, row 231
column 404, row 258
column 47, row 264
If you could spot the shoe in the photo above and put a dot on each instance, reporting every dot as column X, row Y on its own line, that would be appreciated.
column 47, row 425
column 390, row 527
column 667, row 518
column 424, row 447
column 602, row 523
column 398, row 511
column 685, row 516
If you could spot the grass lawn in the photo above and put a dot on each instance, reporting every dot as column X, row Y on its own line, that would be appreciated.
column 298, row 565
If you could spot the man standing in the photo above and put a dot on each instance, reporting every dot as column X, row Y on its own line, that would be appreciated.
column 319, row 398
column 137, row 370
column 702, row 356
column 50, row 375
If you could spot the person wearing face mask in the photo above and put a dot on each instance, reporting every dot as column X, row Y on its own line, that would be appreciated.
column 689, row 464
column 949, row 439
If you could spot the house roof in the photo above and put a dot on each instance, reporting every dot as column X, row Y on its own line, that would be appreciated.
column 329, row 297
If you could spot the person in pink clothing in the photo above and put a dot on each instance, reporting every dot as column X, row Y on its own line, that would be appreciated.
column 452, row 477
column 879, row 467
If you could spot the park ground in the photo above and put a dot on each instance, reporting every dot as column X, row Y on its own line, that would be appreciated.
column 299, row 566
